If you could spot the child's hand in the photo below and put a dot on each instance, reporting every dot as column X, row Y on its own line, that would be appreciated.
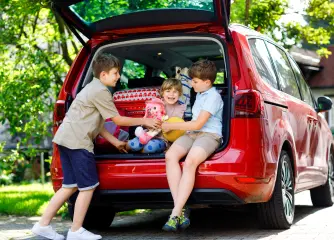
column 165, row 128
column 152, row 123
column 121, row 146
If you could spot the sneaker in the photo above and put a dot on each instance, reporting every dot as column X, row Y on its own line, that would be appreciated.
column 186, row 211
column 82, row 234
column 172, row 224
column 184, row 221
column 46, row 232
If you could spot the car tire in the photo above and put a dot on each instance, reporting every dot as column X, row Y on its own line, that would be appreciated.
column 323, row 196
column 278, row 212
column 96, row 217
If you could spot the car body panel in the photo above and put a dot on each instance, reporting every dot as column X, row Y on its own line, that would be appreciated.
column 254, row 144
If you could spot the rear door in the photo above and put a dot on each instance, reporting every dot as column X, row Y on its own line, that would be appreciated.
column 120, row 17
column 298, row 113
column 318, row 142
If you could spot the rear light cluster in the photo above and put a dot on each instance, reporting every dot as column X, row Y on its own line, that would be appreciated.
column 248, row 104
column 58, row 114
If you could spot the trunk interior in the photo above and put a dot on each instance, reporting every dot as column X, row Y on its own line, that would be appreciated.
column 146, row 62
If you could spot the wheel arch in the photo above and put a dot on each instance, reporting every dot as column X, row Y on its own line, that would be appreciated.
column 288, row 148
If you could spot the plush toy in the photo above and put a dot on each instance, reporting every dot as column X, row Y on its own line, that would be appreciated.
column 171, row 136
column 155, row 108
column 182, row 75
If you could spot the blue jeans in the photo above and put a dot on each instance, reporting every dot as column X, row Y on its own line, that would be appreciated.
column 153, row 146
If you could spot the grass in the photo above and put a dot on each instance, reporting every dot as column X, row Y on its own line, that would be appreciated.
column 26, row 200
column 32, row 199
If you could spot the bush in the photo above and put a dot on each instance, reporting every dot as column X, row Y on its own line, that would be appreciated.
column 12, row 166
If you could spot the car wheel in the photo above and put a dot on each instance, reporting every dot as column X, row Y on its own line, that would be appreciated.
column 323, row 196
column 96, row 217
column 278, row 212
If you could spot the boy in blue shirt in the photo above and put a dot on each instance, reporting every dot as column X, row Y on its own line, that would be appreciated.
column 203, row 137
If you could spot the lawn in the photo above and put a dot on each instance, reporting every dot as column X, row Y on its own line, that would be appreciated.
column 32, row 199
column 26, row 200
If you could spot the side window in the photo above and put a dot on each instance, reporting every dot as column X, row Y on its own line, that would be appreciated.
column 285, row 74
column 303, row 86
column 132, row 74
column 133, row 69
column 262, row 61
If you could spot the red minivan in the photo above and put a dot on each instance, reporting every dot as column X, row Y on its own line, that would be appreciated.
column 276, row 140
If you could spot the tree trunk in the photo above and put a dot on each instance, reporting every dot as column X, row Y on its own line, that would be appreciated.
column 247, row 4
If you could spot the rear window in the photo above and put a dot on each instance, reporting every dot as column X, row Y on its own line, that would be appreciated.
column 93, row 11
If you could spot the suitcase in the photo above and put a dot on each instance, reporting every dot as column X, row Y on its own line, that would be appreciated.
column 131, row 102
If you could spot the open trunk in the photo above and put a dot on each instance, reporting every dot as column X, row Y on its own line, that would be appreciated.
column 146, row 62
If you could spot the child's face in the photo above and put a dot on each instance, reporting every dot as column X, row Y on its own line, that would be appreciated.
column 200, row 85
column 110, row 78
column 171, row 96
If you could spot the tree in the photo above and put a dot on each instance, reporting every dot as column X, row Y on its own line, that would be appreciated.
column 36, row 54
column 264, row 16
column 319, row 32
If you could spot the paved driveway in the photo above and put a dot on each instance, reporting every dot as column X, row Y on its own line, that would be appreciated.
column 310, row 223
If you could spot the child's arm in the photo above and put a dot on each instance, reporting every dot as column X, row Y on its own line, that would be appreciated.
column 114, row 141
column 128, row 121
column 191, row 125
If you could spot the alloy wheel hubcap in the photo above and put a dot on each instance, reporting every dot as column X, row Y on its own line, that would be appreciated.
column 287, row 191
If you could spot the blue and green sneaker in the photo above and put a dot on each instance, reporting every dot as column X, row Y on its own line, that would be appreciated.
column 184, row 221
column 186, row 212
column 172, row 224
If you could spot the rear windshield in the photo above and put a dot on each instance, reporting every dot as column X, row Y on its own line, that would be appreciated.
column 95, row 10
column 148, row 63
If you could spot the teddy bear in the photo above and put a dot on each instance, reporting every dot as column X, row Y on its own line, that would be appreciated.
column 183, row 76
column 154, row 108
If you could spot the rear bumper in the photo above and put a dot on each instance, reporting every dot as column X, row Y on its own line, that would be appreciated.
column 161, row 198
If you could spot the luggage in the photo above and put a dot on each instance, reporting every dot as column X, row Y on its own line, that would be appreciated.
column 131, row 102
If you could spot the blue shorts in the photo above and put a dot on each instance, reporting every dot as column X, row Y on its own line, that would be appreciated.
column 79, row 168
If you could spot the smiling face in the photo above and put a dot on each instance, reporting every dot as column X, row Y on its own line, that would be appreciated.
column 110, row 78
column 171, row 95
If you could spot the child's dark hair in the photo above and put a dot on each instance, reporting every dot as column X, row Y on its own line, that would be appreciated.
column 105, row 62
column 171, row 83
column 204, row 70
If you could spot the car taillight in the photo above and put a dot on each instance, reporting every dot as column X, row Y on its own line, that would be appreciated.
column 248, row 104
column 59, row 113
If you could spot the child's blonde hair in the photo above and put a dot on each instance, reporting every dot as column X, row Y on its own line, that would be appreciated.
column 171, row 83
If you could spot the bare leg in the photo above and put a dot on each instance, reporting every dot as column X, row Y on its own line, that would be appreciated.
column 81, row 207
column 55, row 204
column 195, row 157
column 173, row 169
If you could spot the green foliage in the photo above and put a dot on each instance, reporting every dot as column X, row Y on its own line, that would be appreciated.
column 264, row 14
column 95, row 10
column 134, row 212
column 238, row 9
column 35, row 56
column 12, row 166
